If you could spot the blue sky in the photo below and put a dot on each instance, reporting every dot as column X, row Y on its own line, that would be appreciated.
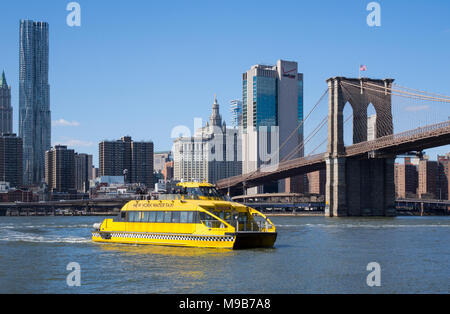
column 140, row 68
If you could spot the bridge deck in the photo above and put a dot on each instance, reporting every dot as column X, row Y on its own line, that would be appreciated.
column 413, row 140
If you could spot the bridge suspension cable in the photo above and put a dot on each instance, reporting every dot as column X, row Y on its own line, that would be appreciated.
column 299, row 147
column 426, row 97
column 396, row 92
column 326, row 139
column 420, row 91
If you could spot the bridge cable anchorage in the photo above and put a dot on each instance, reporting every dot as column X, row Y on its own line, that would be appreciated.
column 301, row 123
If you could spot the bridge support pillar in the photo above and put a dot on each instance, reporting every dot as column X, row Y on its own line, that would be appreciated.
column 335, row 189
column 361, row 186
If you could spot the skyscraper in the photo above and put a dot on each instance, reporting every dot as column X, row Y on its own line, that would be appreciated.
column 60, row 169
column 34, row 99
column 125, row 157
column 236, row 113
column 83, row 172
column 11, row 159
column 6, row 111
column 272, row 111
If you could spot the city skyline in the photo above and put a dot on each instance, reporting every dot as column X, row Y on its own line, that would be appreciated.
column 88, row 108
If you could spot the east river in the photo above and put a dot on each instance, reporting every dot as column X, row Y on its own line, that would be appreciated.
column 311, row 255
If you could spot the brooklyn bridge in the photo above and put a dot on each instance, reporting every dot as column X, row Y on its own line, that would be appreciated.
column 360, row 176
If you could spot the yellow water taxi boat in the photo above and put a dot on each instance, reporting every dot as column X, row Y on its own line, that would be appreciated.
column 195, row 216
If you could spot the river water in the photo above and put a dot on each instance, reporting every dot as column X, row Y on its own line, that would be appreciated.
column 311, row 255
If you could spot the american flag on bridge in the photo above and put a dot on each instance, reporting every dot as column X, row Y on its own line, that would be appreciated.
column 363, row 67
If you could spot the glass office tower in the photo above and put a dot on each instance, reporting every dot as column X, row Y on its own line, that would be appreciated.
column 34, row 99
column 272, row 111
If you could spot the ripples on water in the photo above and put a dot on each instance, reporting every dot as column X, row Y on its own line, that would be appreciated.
column 312, row 255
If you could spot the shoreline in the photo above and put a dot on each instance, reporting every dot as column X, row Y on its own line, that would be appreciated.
column 268, row 214
column 322, row 214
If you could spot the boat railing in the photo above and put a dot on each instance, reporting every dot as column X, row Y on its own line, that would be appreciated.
column 174, row 197
column 170, row 197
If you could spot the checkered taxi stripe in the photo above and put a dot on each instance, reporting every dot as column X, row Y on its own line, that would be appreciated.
column 168, row 237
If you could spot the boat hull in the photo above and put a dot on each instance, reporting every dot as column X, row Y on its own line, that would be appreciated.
column 249, row 240
column 240, row 240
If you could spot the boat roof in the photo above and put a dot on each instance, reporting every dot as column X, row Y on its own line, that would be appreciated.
column 180, row 205
column 195, row 184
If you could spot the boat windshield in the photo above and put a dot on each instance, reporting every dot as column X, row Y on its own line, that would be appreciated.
column 202, row 192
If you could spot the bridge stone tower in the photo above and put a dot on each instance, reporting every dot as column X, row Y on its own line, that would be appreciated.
column 359, row 186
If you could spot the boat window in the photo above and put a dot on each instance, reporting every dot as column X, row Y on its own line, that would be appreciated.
column 133, row 216
column 190, row 217
column 176, row 217
column 228, row 216
column 145, row 216
column 210, row 221
column 184, row 217
column 167, row 217
column 159, row 216
column 203, row 191
column 152, row 217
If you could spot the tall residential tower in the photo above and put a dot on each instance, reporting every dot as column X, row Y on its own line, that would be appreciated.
column 34, row 99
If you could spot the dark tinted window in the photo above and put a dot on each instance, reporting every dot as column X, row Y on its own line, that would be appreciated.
column 152, row 217
column 167, row 217
column 190, row 217
column 176, row 217
column 195, row 217
column 159, row 216
column 184, row 217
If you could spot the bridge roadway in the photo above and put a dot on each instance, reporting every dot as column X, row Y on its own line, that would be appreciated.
column 413, row 140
